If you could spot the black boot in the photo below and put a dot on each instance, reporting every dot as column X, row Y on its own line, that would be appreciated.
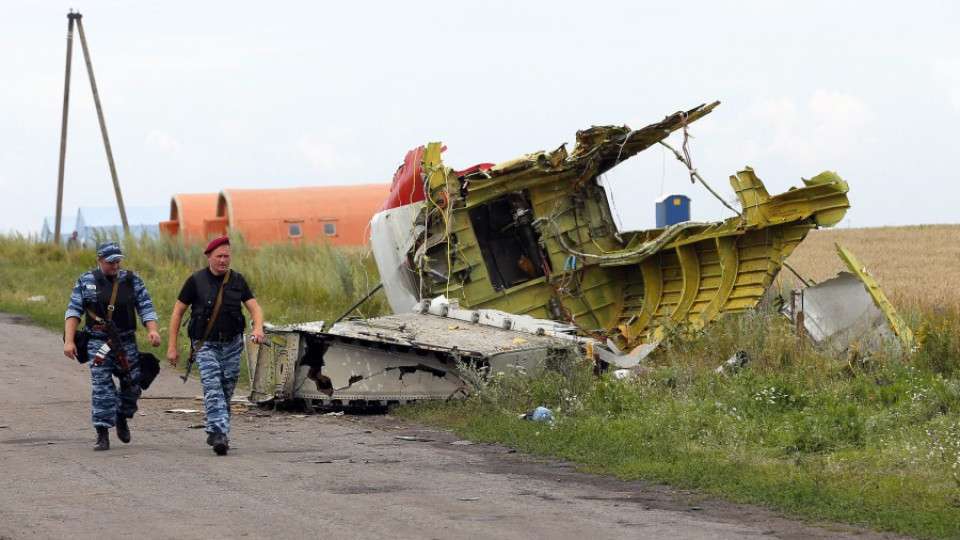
column 220, row 444
column 103, row 439
column 123, row 429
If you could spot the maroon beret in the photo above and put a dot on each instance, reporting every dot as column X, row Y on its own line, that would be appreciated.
column 215, row 243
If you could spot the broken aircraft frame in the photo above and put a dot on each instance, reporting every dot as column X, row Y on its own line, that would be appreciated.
column 848, row 308
column 534, row 237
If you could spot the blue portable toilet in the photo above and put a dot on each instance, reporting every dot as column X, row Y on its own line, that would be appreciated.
column 671, row 209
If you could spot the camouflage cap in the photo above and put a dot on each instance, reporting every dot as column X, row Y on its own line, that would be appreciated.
column 109, row 251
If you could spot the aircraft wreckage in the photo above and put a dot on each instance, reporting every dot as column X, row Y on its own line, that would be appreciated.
column 508, row 265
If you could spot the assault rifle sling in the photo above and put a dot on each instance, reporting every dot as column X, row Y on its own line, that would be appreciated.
column 114, row 342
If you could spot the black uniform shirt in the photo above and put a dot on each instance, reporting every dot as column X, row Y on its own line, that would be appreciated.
column 200, row 293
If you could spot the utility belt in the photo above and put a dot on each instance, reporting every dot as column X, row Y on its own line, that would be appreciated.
column 99, row 331
column 220, row 337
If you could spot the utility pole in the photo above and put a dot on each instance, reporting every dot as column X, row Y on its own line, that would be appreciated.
column 63, row 127
column 76, row 18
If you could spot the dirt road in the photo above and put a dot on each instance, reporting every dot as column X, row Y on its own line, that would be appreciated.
column 302, row 476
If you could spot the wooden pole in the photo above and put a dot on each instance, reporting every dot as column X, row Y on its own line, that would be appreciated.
column 103, row 127
column 63, row 128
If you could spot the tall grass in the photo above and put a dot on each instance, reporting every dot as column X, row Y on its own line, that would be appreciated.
column 291, row 283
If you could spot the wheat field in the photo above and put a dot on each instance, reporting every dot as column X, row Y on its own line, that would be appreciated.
column 916, row 265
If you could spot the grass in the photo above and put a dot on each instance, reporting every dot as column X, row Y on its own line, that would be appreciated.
column 291, row 283
column 876, row 445
column 869, row 437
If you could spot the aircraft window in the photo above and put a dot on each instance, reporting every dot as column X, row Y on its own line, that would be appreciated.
column 508, row 241
column 330, row 229
column 294, row 229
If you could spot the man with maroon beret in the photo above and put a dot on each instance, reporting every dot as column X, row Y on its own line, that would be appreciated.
column 218, row 339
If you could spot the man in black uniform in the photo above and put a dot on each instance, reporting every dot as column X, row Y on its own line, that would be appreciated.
column 215, row 295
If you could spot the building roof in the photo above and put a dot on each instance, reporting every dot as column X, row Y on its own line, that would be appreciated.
column 335, row 214
column 109, row 216
column 338, row 215
column 666, row 196
column 188, row 212
column 67, row 224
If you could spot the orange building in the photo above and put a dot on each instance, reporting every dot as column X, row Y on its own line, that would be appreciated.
column 336, row 214
column 187, row 213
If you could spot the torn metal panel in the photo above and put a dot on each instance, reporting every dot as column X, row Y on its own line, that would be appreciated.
column 897, row 324
column 268, row 363
column 392, row 233
column 401, row 358
column 837, row 311
column 535, row 236
column 849, row 308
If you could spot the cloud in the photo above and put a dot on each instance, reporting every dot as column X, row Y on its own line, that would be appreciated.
column 947, row 71
column 163, row 141
column 828, row 127
column 324, row 151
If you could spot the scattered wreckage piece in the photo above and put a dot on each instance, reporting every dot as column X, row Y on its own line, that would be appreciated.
column 734, row 364
column 848, row 308
column 535, row 236
column 396, row 359
column 897, row 324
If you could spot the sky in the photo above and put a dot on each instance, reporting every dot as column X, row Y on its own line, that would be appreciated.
column 204, row 96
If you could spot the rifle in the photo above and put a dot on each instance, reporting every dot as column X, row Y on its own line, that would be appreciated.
column 113, row 342
column 117, row 344
column 190, row 361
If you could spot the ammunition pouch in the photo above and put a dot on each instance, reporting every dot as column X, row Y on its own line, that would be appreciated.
column 196, row 326
column 149, row 369
column 81, row 338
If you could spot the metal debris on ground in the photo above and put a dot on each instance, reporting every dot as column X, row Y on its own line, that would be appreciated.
column 413, row 439
column 733, row 364
column 848, row 308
